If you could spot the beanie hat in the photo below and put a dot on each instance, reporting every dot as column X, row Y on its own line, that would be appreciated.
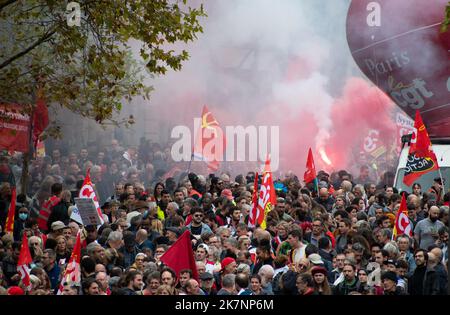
column 226, row 261
column 390, row 275
column 15, row 291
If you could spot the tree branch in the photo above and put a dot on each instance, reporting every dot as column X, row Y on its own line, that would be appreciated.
column 40, row 41
column 6, row 3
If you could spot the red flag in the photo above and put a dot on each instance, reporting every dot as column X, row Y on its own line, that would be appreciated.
column 254, row 214
column 206, row 148
column 72, row 273
column 172, row 172
column 402, row 224
column 421, row 158
column 87, row 191
column 40, row 117
column 14, row 128
column 310, row 173
column 180, row 255
column 9, row 226
column 267, row 195
column 23, row 262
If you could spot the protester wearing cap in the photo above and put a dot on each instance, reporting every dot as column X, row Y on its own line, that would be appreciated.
column 391, row 265
column 228, row 266
column 201, row 254
column 207, row 283
column 227, row 194
column 172, row 233
column 389, row 281
column 57, row 228
column 316, row 260
column 321, row 285
column 138, row 209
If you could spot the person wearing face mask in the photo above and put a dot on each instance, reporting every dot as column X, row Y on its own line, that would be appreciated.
column 426, row 230
column 19, row 222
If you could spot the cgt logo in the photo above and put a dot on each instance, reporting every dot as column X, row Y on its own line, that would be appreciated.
column 73, row 14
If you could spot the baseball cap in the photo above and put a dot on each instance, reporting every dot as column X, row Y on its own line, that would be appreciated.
column 57, row 225
column 206, row 276
column 315, row 259
column 174, row 230
column 204, row 246
column 390, row 262
column 227, row 193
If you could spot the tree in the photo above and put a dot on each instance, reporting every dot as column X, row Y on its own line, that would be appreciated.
column 446, row 23
column 91, row 68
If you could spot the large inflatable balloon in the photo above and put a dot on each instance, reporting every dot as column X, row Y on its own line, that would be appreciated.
column 398, row 45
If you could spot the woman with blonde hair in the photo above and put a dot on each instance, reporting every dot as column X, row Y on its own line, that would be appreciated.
column 61, row 249
column 157, row 226
column 165, row 290
column 43, row 278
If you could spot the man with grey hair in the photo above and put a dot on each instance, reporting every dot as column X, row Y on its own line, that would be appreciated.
column 115, row 240
column 230, row 245
column 228, row 285
column 188, row 204
column 384, row 236
column 404, row 247
column 103, row 279
column 96, row 252
column 392, row 249
column 266, row 273
column 171, row 211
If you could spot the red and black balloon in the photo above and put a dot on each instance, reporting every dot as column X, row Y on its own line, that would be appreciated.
column 398, row 45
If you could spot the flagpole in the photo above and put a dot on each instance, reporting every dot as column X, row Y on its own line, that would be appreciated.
column 190, row 162
column 442, row 181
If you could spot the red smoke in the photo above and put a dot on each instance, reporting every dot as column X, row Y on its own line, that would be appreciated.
column 361, row 108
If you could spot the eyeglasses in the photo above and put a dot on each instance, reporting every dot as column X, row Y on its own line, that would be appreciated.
column 198, row 216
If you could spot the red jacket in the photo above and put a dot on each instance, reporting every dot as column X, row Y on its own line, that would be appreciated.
column 45, row 212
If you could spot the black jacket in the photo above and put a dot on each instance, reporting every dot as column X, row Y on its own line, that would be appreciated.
column 398, row 291
column 344, row 289
column 60, row 212
column 424, row 281
column 431, row 285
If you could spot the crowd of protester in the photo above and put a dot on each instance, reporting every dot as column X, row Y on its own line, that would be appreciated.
column 334, row 239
